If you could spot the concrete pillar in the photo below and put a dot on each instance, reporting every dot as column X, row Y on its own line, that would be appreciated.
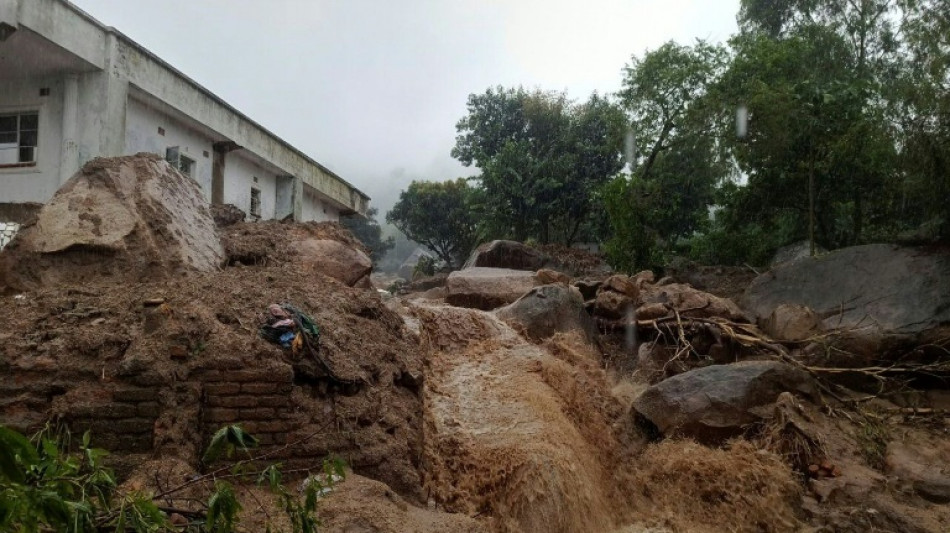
column 69, row 158
column 217, row 174
column 103, row 100
column 297, row 199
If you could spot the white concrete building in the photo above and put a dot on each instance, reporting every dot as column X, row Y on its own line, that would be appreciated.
column 72, row 89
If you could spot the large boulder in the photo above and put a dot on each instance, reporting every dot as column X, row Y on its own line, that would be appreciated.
column 334, row 259
column 511, row 255
column 547, row 310
column 882, row 299
column 131, row 217
column 794, row 252
column 487, row 288
column 717, row 402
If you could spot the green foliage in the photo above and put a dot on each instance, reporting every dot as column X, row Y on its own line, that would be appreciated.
column 678, row 160
column 368, row 231
column 226, row 441
column 50, row 483
column 542, row 159
column 439, row 216
column 424, row 267
column 45, row 486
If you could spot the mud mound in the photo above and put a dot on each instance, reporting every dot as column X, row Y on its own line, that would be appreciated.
column 128, row 218
column 272, row 242
column 689, row 487
column 155, row 368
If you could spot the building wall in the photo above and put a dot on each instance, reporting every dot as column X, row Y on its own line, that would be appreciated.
column 239, row 174
column 142, row 135
column 314, row 208
column 37, row 183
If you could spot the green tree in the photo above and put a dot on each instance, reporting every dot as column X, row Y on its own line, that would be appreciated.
column 677, row 159
column 439, row 216
column 542, row 159
column 368, row 231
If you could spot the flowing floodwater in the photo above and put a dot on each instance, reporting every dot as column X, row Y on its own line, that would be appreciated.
column 513, row 431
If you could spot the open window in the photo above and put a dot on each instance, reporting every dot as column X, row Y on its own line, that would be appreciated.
column 19, row 138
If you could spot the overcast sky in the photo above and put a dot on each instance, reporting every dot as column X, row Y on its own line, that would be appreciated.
column 373, row 88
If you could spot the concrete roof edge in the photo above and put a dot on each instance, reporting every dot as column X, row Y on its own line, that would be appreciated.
column 209, row 93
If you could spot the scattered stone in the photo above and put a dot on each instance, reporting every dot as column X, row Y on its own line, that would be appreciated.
column 717, row 402
column 588, row 288
column 612, row 305
column 547, row 276
column 925, row 469
column 792, row 322
column 510, row 255
column 547, row 310
column 690, row 302
column 623, row 285
column 487, row 288
column 335, row 259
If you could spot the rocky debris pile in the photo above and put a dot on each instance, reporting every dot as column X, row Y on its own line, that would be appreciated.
column 874, row 303
column 147, row 218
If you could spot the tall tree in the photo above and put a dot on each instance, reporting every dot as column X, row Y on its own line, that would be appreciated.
column 438, row 215
column 541, row 158
column 678, row 158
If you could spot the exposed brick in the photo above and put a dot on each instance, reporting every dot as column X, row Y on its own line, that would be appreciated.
column 268, row 426
column 135, row 443
column 222, row 389
column 109, row 411
column 231, row 401
column 135, row 395
column 259, row 388
column 272, row 401
column 149, row 409
column 260, row 413
column 120, row 427
column 264, row 439
column 218, row 414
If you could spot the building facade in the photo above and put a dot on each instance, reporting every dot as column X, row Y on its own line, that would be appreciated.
column 72, row 89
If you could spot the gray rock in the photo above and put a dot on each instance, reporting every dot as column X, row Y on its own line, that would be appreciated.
column 487, row 288
column 716, row 402
column 795, row 251
column 510, row 254
column 547, row 310
column 883, row 298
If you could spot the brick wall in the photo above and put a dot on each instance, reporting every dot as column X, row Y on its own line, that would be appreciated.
column 259, row 400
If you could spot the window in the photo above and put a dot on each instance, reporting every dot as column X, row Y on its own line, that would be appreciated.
column 255, row 202
column 19, row 136
column 186, row 165
column 182, row 163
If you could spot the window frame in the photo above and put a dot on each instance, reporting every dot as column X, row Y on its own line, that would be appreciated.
column 17, row 146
